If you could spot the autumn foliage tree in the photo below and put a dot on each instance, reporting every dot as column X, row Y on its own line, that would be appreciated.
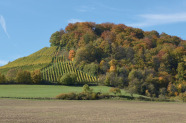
column 72, row 54
column 36, row 77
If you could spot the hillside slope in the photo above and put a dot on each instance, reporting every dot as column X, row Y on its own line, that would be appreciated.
column 35, row 61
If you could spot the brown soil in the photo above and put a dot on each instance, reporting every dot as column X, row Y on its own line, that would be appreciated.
column 102, row 111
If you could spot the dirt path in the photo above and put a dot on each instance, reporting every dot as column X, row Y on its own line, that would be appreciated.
column 102, row 111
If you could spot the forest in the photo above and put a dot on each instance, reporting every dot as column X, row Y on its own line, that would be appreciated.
column 142, row 62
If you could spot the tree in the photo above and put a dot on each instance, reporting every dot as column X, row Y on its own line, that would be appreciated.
column 89, row 54
column 2, row 79
column 163, row 91
column 36, row 77
column 65, row 38
column 23, row 77
column 108, row 36
column 118, row 52
column 72, row 54
column 112, row 79
column 134, row 86
column 91, row 68
column 156, row 63
column 56, row 37
column 89, row 36
column 104, row 66
column 164, row 79
column 113, row 63
column 171, row 88
column 118, row 28
column 181, row 72
column 135, row 74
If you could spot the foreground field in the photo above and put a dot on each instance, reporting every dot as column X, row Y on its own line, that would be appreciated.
column 45, row 91
column 100, row 111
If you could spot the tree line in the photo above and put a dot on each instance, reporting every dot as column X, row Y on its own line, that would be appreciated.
column 15, row 76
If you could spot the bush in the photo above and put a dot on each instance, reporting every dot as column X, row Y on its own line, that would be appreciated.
column 68, row 96
column 87, row 89
column 68, row 79
column 182, row 96
column 115, row 91
column 61, row 96
column 162, row 97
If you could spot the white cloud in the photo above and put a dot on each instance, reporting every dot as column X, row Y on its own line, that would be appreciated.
column 74, row 20
column 2, row 62
column 159, row 19
column 3, row 24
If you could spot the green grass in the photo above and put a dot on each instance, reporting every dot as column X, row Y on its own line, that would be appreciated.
column 45, row 91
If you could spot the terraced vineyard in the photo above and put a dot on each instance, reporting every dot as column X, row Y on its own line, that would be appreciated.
column 55, row 71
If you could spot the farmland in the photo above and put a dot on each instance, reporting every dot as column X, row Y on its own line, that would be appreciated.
column 44, row 111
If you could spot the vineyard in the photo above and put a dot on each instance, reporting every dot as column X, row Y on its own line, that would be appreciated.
column 53, row 72
column 35, row 61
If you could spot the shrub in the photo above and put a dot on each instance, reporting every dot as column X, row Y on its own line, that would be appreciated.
column 67, row 96
column 115, row 91
column 61, row 96
column 68, row 79
column 87, row 89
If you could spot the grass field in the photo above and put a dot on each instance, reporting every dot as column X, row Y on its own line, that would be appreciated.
column 45, row 91
column 99, row 111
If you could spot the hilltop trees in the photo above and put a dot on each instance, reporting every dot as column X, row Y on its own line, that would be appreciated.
column 56, row 37
column 150, row 60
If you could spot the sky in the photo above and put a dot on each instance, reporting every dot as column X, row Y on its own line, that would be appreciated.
column 26, row 25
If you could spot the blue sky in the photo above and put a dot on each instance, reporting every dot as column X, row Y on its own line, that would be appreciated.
column 26, row 25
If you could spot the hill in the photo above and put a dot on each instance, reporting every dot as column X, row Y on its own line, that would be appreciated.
column 144, row 62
